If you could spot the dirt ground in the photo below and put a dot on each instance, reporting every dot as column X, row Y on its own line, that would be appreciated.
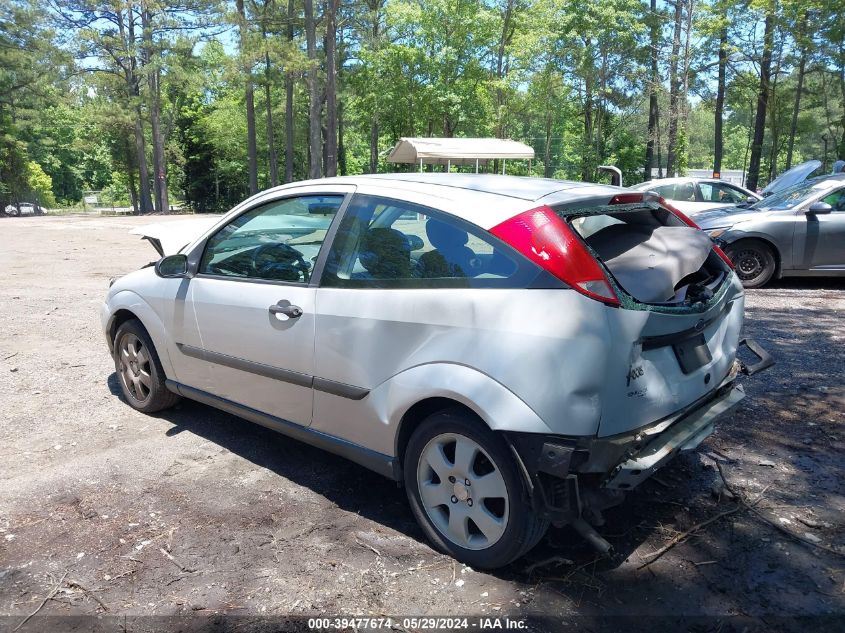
column 105, row 511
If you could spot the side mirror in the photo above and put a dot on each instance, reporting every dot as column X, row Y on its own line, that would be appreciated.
column 750, row 200
column 172, row 266
column 819, row 208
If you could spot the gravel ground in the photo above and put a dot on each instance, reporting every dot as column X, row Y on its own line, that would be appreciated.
column 109, row 512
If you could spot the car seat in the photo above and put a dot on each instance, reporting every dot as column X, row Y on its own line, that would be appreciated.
column 385, row 254
column 451, row 256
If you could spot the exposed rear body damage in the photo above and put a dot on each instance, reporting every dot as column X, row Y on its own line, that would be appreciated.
column 516, row 351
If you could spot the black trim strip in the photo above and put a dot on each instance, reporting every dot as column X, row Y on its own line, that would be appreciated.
column 277, row 373
column 340, row 389
column 653, row 342
column 373, row 460
column 333, row 387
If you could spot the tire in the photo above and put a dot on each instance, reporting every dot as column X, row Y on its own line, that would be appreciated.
column 15, row 212
column 139, row 370
column 754, row 261
column 507, row 527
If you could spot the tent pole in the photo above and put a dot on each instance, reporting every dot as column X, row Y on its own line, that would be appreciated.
column 420, row 165
column 476, row 165
column 448, row 165
column 504, row 160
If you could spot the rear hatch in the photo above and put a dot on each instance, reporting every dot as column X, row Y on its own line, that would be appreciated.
column 674, row 307
column 676, row 331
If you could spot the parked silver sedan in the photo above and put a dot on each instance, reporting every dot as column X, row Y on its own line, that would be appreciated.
column 798, row 231
column 515, row 351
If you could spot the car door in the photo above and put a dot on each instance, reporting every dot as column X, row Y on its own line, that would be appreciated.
column 716, row 193
column 397, row 292
column 822, row 236
column 253, row 301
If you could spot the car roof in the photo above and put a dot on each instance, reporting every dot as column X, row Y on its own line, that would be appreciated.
column 483, row 199
column 520, row 187
column 679, row 180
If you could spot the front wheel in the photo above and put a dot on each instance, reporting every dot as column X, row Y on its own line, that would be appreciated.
column 466, row 493
column 754, row 261
column 139, row 370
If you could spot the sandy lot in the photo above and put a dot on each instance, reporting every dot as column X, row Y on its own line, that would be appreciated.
column 193, row 512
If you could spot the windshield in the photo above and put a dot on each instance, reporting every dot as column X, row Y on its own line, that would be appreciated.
column 789, row 197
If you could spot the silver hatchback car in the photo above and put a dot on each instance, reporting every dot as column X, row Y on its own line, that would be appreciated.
column 516, row 352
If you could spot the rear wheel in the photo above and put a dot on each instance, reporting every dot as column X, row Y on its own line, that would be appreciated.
column 754, row 261
column 139, row 370
column 465, row 492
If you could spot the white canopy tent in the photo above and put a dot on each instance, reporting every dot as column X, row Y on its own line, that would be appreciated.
column 458, row 151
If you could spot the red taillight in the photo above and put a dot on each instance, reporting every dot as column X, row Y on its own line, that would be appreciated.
column 677, row 213
column 724, row 256
column 626, row 198
column 545, row 239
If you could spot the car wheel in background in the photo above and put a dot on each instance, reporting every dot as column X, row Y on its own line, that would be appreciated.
column 139, row 370
column 466, row 493
column 754, row 261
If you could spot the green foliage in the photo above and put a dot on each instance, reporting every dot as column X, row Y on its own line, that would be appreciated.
column 39, row 184
column 570, row 78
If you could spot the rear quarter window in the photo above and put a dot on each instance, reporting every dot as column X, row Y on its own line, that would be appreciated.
column 387, row 243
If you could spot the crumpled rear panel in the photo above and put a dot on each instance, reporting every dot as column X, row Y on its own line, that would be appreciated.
column 649, row 261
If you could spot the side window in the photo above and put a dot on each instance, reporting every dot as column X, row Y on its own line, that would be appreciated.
column 717, row 192
column 277, row 241
column 684, row 192
column 709, row 193
column 384, row 243
column 665, row 191
column 836, row 200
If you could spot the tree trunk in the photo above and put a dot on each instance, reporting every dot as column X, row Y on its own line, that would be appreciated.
column 841, row 149
column 507, row 34
column 272, row 156
column 654, row 27
column 289, row 102
column 251, row 145
column 762, row 101
column 341, row 148
column 674, row 90
column 154, row 100
column 314, row 150
column 588, row 72
column 547, row 154
column 719, row 145
column 802, row 64
column 134, row 81
column 374, row 7
column 330, row 11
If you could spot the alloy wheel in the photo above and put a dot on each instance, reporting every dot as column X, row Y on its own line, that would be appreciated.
column 463, row 491
column 134, row 363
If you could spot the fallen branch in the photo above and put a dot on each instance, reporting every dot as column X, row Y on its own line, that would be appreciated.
column 170, row 557
column 679, row 538
column 560, row 560
column 88, row 592
column 377, row 553
column 43, row 602
column 764, row 518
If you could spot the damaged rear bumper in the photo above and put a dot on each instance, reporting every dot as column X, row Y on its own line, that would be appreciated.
column 567, row 478
column 684, row 435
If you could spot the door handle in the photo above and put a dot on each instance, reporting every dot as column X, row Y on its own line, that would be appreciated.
column 291, row 311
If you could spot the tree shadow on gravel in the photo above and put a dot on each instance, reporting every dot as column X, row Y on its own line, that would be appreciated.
column 737, row 566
